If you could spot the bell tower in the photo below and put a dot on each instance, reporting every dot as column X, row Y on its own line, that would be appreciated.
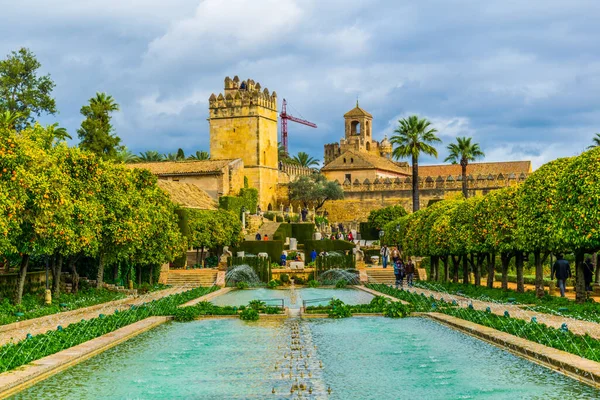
column 358, row 129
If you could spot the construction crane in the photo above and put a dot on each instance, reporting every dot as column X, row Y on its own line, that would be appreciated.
column 284, row 119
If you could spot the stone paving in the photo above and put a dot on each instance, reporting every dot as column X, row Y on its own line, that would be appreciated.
column 18, row 331
column 517, row 311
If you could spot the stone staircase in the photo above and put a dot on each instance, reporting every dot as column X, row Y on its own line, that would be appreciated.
column 268, row 227
column 385, row 275
column 192, row 277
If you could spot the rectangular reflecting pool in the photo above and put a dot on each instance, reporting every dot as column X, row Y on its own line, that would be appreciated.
column 357, row 358
column 293, row 298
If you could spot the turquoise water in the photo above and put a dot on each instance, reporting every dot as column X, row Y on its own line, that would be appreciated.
column 361, row 358
column 242, row 297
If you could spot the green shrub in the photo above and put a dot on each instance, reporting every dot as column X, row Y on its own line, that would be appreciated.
column 269, row 215
column 396, row 310
column 273, row 248
column 378, row 302
column 273, row 283
column 279, row 218
column 338, row 309
column 298, row 280
column 285, row 278
column 313, row 284
column 303, row 231
column 341, row 284
column 184, row 314
column 242, row 285
column 256, row 304
column 368, row 231
column 272, row 310
column 284, row 231
column 249, row 314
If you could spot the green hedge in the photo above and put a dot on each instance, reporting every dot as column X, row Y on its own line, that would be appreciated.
column 284, row 231
column 261, row 266
column 326, row 245
column 368, row 232
column 248, row 198
column 530, row 280
column 272, row 247
column 303, row 231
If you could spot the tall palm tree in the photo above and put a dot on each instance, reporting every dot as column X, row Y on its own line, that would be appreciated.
column 59, row 132
column 126, row 156
column 414, row 136
column 304, row 160
column 150, row 156
column 9, row 119
column 180, row 154
column 102, row 105
column 200, row 156
column 461, row 153
column 596, row 141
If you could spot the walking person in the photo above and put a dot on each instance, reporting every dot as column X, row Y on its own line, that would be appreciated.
column 588, row 273
column 258, row 237
column 397, row 274
column 562, row 270
column 266, row 237
column 313, row 255
column 384, row 252
column 350, row 237
column 410, row 273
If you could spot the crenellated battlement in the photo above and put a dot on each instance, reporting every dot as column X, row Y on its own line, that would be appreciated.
column 242, row 98
column 451, row 182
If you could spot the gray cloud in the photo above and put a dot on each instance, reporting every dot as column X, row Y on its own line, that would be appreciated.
column 520, row 77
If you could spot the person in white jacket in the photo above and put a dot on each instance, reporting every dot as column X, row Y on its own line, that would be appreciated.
column 384, row 255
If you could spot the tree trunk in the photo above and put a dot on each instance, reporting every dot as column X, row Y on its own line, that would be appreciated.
column 463, row 165
column 432, row 269
column 116, row 273
column 596, row 258
column 22, row 277
column 580, row 293
column 505, row 257
column 519, row 259
column 415, row 183
column 539, row 274
column 436, row 269
column 465, row 269
column 100, row 276
column 198, row 255
column 151, row 274
column 455, row 263
column 478, row 261
column 6, row 266
column 446, row 277
column 491, row 269
column 139, row 275
column 202, row 257
column 73, row 268
column 56, row 271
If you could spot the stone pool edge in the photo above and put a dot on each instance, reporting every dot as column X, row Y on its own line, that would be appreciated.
column 575, row 367
column 14, row 381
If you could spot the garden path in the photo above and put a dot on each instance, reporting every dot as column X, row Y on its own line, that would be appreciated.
column 516, row 311
column 50, row 322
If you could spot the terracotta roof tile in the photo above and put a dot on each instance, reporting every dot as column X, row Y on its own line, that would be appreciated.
column 358, row 160
column 182, row 167
column 187, row 195
column 357, row 112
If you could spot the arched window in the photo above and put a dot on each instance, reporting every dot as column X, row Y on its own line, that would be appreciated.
column 368, row 146
column 351, row 160
column 355, row 128
column 270, row 207
column 368, row 130
column 344, row 161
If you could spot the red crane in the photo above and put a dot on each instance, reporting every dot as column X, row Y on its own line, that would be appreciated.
column 284, row 119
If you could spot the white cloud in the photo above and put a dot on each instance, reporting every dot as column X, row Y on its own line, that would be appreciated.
column 152, row 105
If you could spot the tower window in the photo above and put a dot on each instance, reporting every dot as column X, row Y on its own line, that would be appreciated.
column 351, row 160
column 349, row 177
column 344, row 161
column 355, row 128
column 368, row 146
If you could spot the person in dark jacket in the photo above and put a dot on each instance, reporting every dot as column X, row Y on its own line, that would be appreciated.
column 588, row 273
column 258, row 237
column 562, row 270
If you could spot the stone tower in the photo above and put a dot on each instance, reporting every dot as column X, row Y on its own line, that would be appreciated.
column 358, row 129
column 243, row 124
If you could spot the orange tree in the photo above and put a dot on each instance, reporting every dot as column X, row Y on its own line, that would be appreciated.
column 579, row 210
column 537, row 228
column 213, row 230
column 440, row 235
column 461, row 240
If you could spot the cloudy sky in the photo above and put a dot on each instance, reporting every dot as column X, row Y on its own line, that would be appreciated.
column 521, row 77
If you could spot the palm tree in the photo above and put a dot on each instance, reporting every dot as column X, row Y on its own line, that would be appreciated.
column 150, row 156
column 102, row 105
column 59, row 132
column 180, row 154
column 8, row 119
column 461, row 153
column 169, row 157
column 304, row 160
column 281, row 153
column 200, row 156
column 125, row 156
column 596, row 141
column 413, row 137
